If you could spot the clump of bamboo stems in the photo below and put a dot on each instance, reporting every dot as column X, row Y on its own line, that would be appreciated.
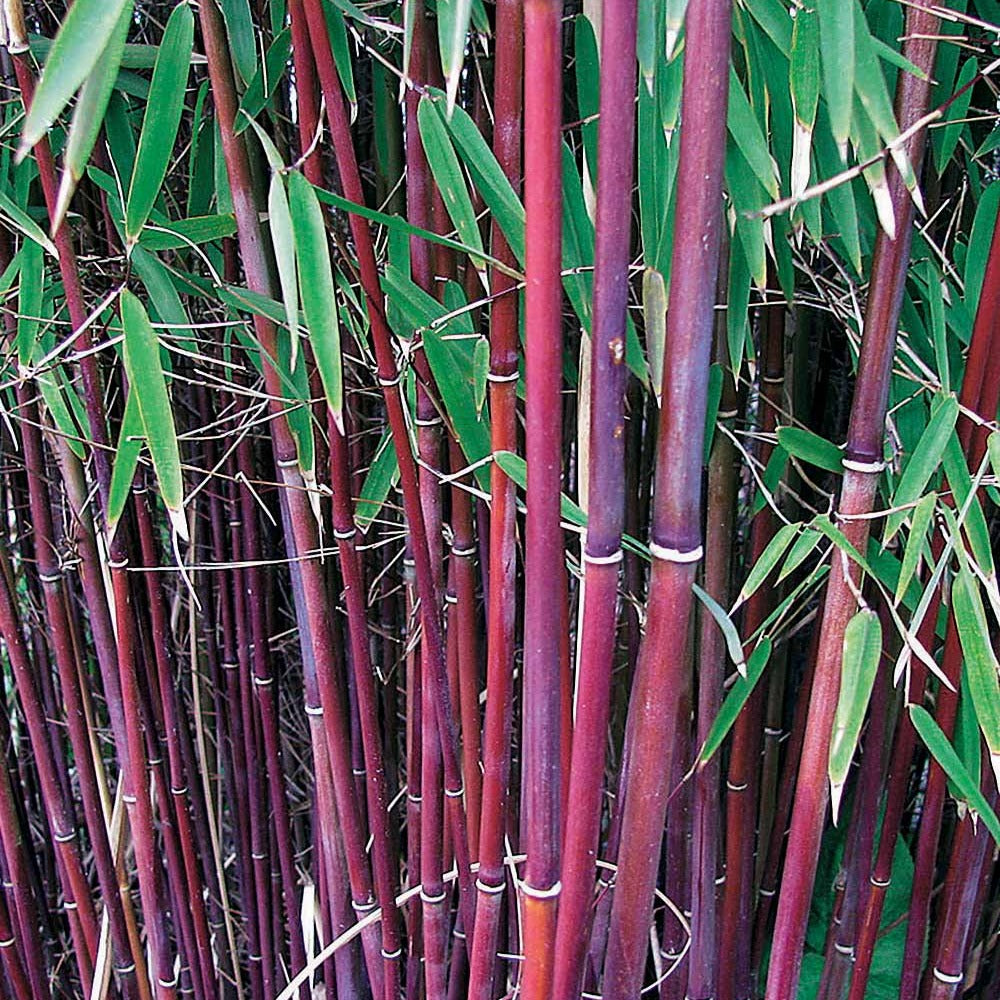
column 310, row 684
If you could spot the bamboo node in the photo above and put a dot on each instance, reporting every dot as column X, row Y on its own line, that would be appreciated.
column 183, row 790
column 468, row 551
column 365, row 907
column 608, row 560
column 493, row 377
column 50, row 577
column 459, row 933
column 314, row 709
column 70, row 904
column 350, row 533
column 64, row 838
column 358, row 771
column 455, row 793
column 451, row 598
column 948, row 977
column 737, row 787
column 845, row 949
column 668, row 554
column 490, row 889
column 417, row 799
column 771, row 731
column 727, row 414
column 129, row 800
column 117, row 564
column 388, row 383
column 391, row 955
column 868, row 468
column 550, row 893
column 772, row 379
column 766, row 893
column 7, row 943
column 124, row 970
column 230, row 665
column 881, row 883
column 263, row 682
column 258, row 856
column 426, row 421
column 287, row 463
column 432, row 900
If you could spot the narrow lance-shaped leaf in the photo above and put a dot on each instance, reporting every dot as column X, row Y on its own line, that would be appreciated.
column 29, row 299
column 448, row 175
column 280, row 222
column 88, row 115
column 146, row 380
column 769, row 558
column 312, row 255
column 654, row 314
column 809, row 447
column 75, row 52
column 980, row 661
column 920, row 523
column 804, row 77
column 162, row 118
column 675, row 21
column 735, row 700
column 944, row 753
column 725, row 623
column 924, row 462
column 836, row 32
column 453, row 25
column 24, row 223
column 126, row 460
column 862, row 651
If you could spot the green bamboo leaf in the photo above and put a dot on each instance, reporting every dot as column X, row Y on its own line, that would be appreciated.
column 968, row 739
column 283, row 238
column 979, row 243
column 341, row 47
column 735, row 700
column 975, row 526
column 453, row 25
column 925, row 461
column 922, row 517
column 859, row 666
column 676, row 10
column 162, row 119
column 769, row 558
column 448, row 175
column 126, row 461
column 804, row 546
column 265, row 80
column 944, row 753
column 648, row 40
column 935, row 303
column 836, row 32
column 312, row 254
column 654, row 312
column 480, row 371
column 804, row 76
column 747, row 134
column 75, row 52
column 946, row 139
column 871, row 89
column 29, row 299
column 146, row 379
column 242, row 37
column 981, row 665
column 88, row 116
column 382, row 475
column 809, row 447
column 55, row 393
column 868, row 147
column 733, row 643
column 16, row 217
column 178, row 234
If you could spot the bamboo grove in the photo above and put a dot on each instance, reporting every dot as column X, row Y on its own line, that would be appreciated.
column 499, row 499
